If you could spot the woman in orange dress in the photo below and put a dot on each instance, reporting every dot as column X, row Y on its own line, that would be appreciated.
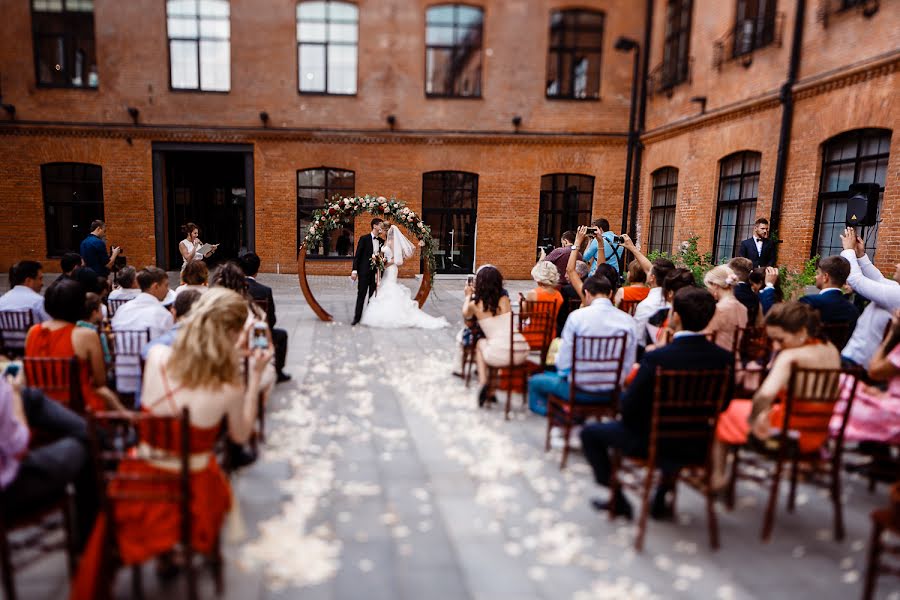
column 60, row 337
column 637, row 288
column 730, row 313
column 546, row 276
column 793, row 329
column 201, row 372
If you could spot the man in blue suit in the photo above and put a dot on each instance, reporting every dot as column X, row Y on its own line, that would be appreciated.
column 630, row 433
column 831, row 275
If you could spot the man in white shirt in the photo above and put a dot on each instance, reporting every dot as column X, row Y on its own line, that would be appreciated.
column 598, row 318
column 883, row 295
column 128, row 289
column 144, row 312
column 26, row 278
column 657, row 271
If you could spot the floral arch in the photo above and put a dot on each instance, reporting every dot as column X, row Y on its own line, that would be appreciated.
column 338, row 209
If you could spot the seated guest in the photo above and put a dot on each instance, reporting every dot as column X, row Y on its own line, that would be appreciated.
column 875, row 415
column 569, row 295
column 26, row 278
column 195, row 276
column 545, row 276
column 35, row 477
column 730, row 313
column 883, row 293
column 250, row 266
column 771, row 294
column 833, row 306
column 598, row 318
column 73, row 266
column 656, row 271
column 742, row 290
column 60, row 337
column 93, row 320
column 794, row 330
column 636, row 289
column 144, row 312
column 679, row 278
column 487, row 302
column 560, row 256
column 201, row 372
column 181, row 306
column 127, row 287
column 693, row 309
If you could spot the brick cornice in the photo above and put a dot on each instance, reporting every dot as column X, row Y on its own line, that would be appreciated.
column 187, row 133
column 805, row 88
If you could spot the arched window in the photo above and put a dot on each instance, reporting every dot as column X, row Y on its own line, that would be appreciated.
column 73, row 197
column 449, row 208
column 327, row 37
column 314, row 188
column 738, row 188
column 453, row 35
column 662, row 209
column 199, row 45
column 566, row 202
column 64, row 50
column 859, row 156
column 573, row 61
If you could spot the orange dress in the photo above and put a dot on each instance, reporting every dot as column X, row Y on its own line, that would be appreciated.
column 534, row 336
column 634, row 293
column 145, row 529
column 57, row 343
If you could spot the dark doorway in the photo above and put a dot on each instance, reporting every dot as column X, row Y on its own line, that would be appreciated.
column 449, row 207
column 211, row 187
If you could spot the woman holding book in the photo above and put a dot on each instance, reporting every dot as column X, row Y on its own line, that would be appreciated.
column 191, row 247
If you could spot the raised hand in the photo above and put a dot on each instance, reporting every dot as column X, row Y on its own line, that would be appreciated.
column 849, row 239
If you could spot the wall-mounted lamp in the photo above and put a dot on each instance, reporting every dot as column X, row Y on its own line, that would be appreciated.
column 701, row 100
column 264, row 117
column 10, row 110
column 517, row 122
column 391, row 121
column 135, row 113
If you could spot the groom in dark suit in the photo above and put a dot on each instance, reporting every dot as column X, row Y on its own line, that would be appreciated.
column 759, row 248
column 363, row 273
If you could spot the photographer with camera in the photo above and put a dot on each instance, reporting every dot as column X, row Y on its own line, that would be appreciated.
column 612, row 244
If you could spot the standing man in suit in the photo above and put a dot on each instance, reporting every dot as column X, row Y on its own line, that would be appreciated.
column 363, row 273
column 250, row 266
column 759, row 248
column 693, row 309
column 831, row 275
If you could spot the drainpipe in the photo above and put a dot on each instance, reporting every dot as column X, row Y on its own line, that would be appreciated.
column 786, row 96
column 632, row 135
column 641, row 125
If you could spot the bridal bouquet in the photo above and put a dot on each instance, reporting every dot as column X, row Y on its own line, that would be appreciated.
column 377, row 262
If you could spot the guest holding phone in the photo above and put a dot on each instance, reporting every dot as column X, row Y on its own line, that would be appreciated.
column 191, row 247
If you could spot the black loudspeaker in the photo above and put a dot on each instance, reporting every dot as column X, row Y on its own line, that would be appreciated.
column 862, row 207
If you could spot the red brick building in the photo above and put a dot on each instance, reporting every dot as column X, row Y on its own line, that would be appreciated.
column 503, row 121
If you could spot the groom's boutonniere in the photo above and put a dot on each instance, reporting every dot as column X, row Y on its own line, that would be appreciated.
column 377, row 262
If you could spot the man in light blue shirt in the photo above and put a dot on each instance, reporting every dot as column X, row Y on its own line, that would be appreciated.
column 598, row 318
column 26, row 278
column 612, row 252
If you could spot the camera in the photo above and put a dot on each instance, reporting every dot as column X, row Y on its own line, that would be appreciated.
column 592, row 230
column 618, row 239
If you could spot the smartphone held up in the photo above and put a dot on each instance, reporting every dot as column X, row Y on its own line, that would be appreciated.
column 259, row 337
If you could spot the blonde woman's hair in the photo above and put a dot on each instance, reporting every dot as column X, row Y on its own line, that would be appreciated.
column 203, row 354
column 545, row 273
column 721, row 276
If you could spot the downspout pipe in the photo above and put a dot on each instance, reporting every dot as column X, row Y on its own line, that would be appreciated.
column 632, row 136
column 642, row 122
column 786, row 97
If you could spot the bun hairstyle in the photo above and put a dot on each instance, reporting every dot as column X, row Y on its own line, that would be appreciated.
column 722, row 277
column 677, row 279
column 187, row 228
column 794, row 317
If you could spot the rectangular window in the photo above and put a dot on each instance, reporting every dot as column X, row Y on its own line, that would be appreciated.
column 573, row 62
column 754, row 26
column 73, row 197
column 314, row 188
column 327, row 37
column 199, row 45
column 64, row 49
column 566, row 202
column 662, row 209
column 738, row 188
column 676, row 47
column 453, row 36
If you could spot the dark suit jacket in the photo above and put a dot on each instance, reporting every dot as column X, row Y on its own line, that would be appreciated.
column 682, row 353
column 259, row 291
column 745, row 295
column 834, row 308
column 364, row 250
column 766, row 259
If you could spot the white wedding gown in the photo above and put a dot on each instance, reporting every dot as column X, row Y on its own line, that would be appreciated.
column 392, row 305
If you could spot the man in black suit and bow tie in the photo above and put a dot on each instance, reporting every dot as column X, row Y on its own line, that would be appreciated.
column 759, row 248
column 250, row 266
column 363, row 273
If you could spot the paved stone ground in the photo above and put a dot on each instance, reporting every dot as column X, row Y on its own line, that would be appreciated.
column 381, row 479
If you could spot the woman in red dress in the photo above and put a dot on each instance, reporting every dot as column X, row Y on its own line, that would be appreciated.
column 201, row 372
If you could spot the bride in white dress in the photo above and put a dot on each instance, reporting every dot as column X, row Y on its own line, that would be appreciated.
column 393, row 306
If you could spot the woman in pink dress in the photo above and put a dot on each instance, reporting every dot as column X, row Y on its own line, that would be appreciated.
column 730, row 313
column 875, row 415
